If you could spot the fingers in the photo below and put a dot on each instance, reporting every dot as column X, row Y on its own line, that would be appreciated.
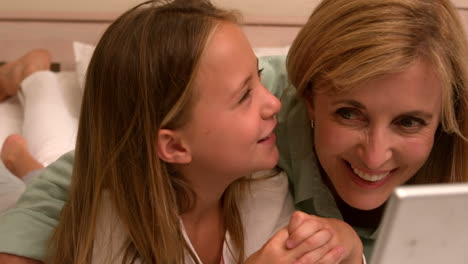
column 274, row 251
column 314, row 247
column 296, row 220
column 333, row 256
column 278, row 240
column 304, row 226
column 324, row 255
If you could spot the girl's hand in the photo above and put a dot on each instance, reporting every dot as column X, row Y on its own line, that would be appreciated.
column 343, row 240
column 307, row 238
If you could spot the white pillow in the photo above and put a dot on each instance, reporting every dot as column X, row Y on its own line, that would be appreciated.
column 83, row 53
column 270, row 51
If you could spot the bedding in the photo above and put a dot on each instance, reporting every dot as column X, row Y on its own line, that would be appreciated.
column 49, row 135
column 46, row 113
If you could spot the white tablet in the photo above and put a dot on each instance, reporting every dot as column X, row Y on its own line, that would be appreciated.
column 424, row 224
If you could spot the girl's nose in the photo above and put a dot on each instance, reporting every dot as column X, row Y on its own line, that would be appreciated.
column 271, row 105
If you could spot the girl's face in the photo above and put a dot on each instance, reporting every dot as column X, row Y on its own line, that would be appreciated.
column 231, row 126
column 376, row 137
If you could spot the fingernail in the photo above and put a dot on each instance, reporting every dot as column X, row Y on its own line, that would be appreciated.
column 289, row 244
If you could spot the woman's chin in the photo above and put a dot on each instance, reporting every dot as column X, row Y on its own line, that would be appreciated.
column 365, row 203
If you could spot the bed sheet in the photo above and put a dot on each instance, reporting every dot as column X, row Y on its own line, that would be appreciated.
column 46, row 113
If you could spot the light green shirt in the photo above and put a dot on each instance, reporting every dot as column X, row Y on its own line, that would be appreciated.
column 25, row 230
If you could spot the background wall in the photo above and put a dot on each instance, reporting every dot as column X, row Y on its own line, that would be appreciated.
column 247, row 7
column 461, row 3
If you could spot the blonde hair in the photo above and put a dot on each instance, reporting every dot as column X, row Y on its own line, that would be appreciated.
column 348, row 42
column 140, row 80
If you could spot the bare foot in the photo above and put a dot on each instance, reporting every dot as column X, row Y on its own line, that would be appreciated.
column 17, row 158
column 13, row 73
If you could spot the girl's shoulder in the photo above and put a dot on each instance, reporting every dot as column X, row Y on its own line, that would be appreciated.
column 110, row 234
column 266, row 208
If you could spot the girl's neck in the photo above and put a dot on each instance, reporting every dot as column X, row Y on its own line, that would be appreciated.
column 208, row 187
column 204, row 223
column 206, row 230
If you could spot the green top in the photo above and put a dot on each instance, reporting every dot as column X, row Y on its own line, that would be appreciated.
column 24, row 230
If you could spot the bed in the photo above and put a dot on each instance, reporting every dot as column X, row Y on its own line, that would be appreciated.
column 70, row 39
column 21, row 32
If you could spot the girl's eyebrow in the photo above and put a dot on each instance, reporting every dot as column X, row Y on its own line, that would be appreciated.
column 244, row 82
column 248, row 78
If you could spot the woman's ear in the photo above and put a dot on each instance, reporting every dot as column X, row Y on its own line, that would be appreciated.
column 171, row 148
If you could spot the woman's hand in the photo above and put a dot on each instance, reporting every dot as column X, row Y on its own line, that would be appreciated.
column 341, row 238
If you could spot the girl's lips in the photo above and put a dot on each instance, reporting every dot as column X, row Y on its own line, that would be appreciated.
column 270, row 139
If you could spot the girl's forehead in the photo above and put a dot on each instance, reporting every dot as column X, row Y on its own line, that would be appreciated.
column 227, row 59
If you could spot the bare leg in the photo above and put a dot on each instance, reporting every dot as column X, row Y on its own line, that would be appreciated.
column 17, row 158
column 13, row 73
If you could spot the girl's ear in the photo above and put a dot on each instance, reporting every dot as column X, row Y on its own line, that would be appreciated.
column 171, row 148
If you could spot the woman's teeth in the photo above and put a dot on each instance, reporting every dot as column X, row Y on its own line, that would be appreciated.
column 370, row 177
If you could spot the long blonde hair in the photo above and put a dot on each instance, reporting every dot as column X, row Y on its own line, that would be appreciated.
column 348, row 42
column 139, row 80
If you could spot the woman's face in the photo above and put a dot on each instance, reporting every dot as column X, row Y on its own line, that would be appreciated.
column 376, row 137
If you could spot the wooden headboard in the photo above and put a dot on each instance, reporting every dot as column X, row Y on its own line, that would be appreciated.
column 20, row 32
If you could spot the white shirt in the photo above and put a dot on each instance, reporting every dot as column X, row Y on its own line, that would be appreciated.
column 266, row 209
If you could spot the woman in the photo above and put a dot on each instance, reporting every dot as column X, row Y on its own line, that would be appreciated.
column 384, row 86
column 355, row 65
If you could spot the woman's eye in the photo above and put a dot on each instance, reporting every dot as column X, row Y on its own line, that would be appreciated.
column 347, row 113
column 245, row 96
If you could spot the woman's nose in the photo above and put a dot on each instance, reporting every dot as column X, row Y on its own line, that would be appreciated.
column 376, row 148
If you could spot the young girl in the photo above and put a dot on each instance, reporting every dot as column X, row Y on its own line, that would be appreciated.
column 174, row 118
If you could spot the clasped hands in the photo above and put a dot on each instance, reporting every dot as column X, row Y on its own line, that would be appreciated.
column 311, row 239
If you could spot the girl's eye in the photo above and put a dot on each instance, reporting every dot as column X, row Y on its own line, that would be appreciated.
column 245, row 96
column 347, row 113
column 260, row 72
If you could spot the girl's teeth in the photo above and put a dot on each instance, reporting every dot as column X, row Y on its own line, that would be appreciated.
column 370, row 177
